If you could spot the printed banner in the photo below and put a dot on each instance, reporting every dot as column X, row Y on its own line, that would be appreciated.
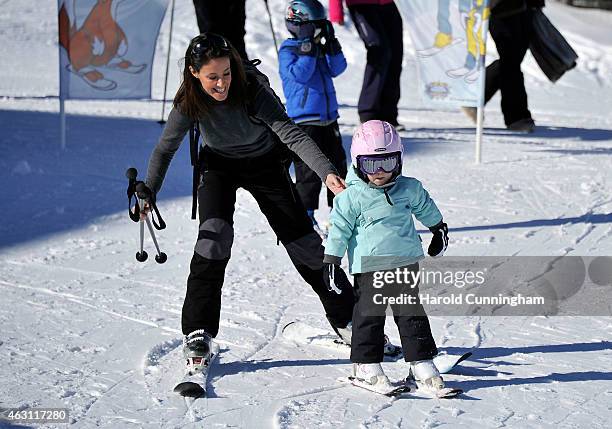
column 107, row 47
column 449, row 37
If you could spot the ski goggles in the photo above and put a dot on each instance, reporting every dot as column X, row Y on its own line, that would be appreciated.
column 209, row 44
column 371, row 164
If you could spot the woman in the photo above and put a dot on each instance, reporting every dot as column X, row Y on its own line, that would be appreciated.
column 242, row 123
column 379, row 25
column 511, row 26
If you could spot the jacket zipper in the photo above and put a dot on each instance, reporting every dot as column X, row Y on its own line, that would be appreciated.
column 304, row 97
column 326, row 95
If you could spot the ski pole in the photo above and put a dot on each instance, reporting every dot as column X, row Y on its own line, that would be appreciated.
column 161, row 257
column 272, row 28
column 143, row 197
column 142, row 255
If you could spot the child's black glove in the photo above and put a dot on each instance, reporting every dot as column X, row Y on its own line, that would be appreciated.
column 439, row 241
column 332, row 46
column 334, row 277
column 327, row 30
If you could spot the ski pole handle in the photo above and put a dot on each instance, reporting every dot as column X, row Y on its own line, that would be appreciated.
column 131, row 174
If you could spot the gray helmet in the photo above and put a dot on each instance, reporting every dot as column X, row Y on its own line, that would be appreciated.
column 301, row 11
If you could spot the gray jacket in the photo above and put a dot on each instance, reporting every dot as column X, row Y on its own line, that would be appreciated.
column 235, row 132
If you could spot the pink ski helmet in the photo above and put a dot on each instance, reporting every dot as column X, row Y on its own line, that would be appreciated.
column 375, row 138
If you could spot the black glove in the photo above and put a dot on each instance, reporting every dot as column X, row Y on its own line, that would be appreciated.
column 332, row 47
column 439, row 241
column 335, row 278
column 327, row 30
column 308, row 47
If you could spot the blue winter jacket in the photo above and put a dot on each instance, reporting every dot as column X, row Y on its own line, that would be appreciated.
column 378, row 235
column 307, row 83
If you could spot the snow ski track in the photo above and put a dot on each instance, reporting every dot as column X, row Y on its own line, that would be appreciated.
column 78, row 300
column 102, row 275
column 307, row 412
column 477, row 333
column 104, row 394
column 151, row 361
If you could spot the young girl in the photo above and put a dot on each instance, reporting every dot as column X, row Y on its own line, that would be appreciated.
column 372, row 220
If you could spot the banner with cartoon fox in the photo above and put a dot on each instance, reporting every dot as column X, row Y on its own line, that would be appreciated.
column 449, row 38
column 107, row 47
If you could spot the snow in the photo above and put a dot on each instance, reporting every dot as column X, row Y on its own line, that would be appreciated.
column 85, row 326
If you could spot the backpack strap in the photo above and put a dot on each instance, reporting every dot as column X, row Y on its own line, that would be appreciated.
column 194, row 151
column 255, row 80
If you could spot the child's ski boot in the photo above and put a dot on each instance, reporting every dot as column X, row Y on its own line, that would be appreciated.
column 428, row 380
column 371, row 376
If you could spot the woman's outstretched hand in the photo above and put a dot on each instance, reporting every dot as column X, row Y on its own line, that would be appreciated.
column 335, row 183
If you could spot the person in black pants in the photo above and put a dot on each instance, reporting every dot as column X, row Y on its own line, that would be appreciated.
column 245, row 134
column 267, row 179
column 308, row 183
column 372, row 222
column 380, row 28
column 369, row 318
column 511, row 27
column 226, row 17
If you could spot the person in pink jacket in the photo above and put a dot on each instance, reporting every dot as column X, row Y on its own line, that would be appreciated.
column 379, row 25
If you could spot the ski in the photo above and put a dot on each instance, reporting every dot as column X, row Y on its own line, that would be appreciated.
column 194, row 385
column 190, row 389
column 446, row 362
column 398, row 389
column 302, row 333
column 406, row 388
column 443, row 393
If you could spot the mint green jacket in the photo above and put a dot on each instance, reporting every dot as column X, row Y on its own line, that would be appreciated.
column 377, row 230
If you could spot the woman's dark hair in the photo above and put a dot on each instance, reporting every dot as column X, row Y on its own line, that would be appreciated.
column 191, row 99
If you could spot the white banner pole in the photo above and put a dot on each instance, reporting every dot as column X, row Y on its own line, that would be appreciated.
column 162, row 121
column 481, row 99
column 62, row 89
column 62, row 124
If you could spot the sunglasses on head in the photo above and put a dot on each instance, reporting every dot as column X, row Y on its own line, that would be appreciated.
column 372, row 164
column 206, row 44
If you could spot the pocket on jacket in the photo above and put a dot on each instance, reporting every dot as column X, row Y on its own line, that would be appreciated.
column 304, row 97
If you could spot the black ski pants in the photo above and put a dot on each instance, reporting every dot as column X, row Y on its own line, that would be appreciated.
column 267, row 179
column 308, row 184
column 512, row 35
column 380, row 28
column 369, row 320
column 226, row 17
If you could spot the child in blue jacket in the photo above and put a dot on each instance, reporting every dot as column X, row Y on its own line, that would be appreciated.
column 372, row 221
column 307, row 63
